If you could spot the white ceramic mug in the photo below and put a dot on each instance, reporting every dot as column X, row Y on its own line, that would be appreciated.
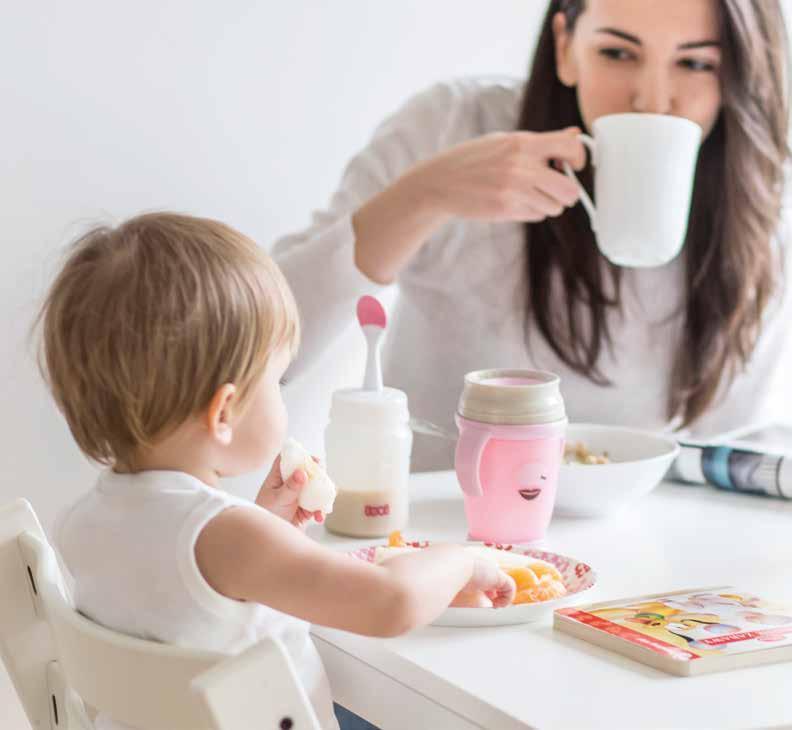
column 644, row 166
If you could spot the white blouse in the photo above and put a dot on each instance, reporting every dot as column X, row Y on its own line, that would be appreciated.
column 461, row 301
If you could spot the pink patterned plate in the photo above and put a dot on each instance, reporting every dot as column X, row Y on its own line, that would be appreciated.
column 578, row 577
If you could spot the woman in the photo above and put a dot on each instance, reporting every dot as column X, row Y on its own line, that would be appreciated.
column 496, row 263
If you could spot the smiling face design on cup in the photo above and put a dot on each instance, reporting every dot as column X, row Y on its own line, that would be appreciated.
column 531, row 479
column 520, row 476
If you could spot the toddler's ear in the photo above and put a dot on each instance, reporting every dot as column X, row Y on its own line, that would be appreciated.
column 219, row 413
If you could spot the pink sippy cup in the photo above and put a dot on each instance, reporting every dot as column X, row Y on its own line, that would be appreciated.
column 512, row 425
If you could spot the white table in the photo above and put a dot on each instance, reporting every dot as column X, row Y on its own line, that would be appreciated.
column 530, row 676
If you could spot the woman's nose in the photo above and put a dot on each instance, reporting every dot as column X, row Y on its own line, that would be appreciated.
column 653, row 93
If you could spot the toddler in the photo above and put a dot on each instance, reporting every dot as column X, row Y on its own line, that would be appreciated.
column 164, row 342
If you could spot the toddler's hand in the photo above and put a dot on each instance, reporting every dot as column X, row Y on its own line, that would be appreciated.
column 281, row 498
column 488, row 587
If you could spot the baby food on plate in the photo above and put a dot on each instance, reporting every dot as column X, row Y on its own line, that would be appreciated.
column 579, row 453
column 536, row 580
column 320, row 492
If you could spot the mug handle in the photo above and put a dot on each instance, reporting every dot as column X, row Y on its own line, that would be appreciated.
column 467, row 460
column 584, row 196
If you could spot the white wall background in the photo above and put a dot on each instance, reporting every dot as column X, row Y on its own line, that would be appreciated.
column 241, row 110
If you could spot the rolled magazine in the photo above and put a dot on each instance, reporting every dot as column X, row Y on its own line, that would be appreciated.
column 735, row 468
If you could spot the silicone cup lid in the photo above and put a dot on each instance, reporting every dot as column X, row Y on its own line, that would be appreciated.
column 513, row 397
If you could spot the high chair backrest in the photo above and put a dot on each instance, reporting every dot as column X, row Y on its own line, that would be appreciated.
column 26, row 645
column 142, row 683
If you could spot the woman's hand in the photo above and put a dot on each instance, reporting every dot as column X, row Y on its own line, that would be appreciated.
column 488, row 587
column 281, row 498
column 505, row 176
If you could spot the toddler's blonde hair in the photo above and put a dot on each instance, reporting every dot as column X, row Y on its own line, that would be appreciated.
column 147, row 320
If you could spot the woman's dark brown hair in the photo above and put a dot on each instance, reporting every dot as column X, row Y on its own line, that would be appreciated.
column 730, row 258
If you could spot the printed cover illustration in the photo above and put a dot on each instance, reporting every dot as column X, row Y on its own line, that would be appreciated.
column 687, row 626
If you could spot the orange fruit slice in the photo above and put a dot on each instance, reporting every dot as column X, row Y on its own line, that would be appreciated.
column 545, row 590
column 523, row 578
column 523, row 597
column 542, row 569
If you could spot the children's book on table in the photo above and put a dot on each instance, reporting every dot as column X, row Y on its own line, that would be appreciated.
column 688, row 632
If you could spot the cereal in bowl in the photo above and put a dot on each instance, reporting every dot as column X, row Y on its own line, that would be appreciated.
column 579, row 453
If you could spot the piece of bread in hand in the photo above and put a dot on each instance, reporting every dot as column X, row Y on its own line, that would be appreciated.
column 319, row 493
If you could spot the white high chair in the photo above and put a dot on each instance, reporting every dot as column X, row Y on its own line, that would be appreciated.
column 57, row 658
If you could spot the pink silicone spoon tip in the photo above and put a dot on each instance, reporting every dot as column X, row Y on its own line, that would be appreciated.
column 370, row 311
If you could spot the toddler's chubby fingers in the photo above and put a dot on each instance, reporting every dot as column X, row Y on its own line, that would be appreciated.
column 302, row 517
column 504, row 592
column 287, row 493
column 471, row 599
column 296, row 481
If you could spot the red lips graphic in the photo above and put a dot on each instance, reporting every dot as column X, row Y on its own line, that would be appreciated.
column 529, row 494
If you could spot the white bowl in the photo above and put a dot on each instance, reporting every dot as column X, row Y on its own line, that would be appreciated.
column 639, row 461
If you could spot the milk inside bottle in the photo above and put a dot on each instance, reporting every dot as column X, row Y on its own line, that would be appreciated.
column 367, row 446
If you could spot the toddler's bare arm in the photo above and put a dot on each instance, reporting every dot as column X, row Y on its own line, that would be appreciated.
column 249, row 554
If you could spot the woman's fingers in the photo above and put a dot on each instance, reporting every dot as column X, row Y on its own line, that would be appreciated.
column 528, row 212
column 557, row 186
column 504, row 176
column 535, row 206
column 563, row 145
column 548, row 206
column 539, row 192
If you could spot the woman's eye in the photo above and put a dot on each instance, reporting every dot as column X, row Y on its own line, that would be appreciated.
column 282, row 382
column 616, row 54
column 695, row 64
